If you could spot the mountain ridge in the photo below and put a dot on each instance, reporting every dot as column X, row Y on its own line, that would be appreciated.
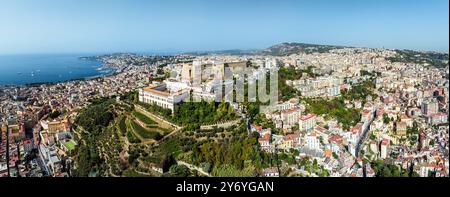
column 288, row 48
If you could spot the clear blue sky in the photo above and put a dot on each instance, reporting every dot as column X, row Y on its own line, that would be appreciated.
column 66, row 26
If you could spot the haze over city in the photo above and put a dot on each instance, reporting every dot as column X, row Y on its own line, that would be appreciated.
column 101, row 26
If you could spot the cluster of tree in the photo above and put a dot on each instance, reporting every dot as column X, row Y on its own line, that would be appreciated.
column 97, row 116
column 389, row 170
column 145, row 133
column 360, row 91
column 54, row 114
column 289, row 73
column 334, row 108
column 370, row 74
column 261, row 120
column 87, row 160
column 133, row 154
column 132, row 138
column 99, row 100
column 131, row 97
column 122, row 126
column 166, row 113
column 160, row 71
column 438, row 60
column 313, row 167
column 179, row 171
column 414, row 130
column 97, row 138
column 237, row 154
column 209, row 133
column 228, row 170
column 143, row 118
column 386, row 118
column 201, row 113
column 176, row 145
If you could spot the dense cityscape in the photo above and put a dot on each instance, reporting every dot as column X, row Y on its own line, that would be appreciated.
column 340, row 112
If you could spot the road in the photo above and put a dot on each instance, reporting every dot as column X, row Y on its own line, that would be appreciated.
column 41, row 163
column 364, row 136
column 362, row 139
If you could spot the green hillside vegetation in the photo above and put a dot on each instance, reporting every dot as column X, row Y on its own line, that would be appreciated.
column 228, row 152
column 203, row 113
column 122, row 125
column 95, row 130
column 383, row 169
column 360, row 91
column 438, row 60
column 334, row 108
column 290, row 73
column 132, row 138
column 143, row 118
column 295, row 48
column 145, row 133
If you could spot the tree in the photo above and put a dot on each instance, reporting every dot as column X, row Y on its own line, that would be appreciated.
column 207, row 167
column 167, row 162
column 315, row 165
column 179, row 170
column 386, row 172
column 386, row 119
column 335, row 155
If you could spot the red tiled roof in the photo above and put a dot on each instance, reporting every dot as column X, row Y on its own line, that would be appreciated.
column 320, row 129
column 258, row 128
column 307, row 117
column 357, row 128
column 401, row 123
column 439, row 115
column 265, row 137
column 290, row 110
column 335, row 138
column 291, row 136
column 151, row 89
column 366, row 112
column 404, row 116
column 27, row 141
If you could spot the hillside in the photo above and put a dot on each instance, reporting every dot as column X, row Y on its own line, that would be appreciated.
column 294, row 48
column 275, row 50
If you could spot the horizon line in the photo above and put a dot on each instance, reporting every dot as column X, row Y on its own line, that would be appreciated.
column 182, row 51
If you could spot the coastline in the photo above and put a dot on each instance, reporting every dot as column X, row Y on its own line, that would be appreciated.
column 112, row 71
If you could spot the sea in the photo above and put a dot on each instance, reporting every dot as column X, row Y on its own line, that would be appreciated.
column 35, row 69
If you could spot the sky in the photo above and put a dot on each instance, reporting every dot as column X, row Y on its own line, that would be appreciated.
column 103, row 26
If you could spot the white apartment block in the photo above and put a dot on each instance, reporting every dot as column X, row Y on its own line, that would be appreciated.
column 290, row 117
column 307, row 122
column 318, row 87
column 429, row 107
column 312, row 142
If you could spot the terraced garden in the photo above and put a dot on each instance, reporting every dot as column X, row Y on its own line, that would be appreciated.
column 145, row 119
column 144, row 132
column 140, row 128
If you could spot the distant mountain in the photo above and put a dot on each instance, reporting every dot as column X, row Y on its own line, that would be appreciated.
column 294, row 48
column 227, row 52
column 276, row 50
